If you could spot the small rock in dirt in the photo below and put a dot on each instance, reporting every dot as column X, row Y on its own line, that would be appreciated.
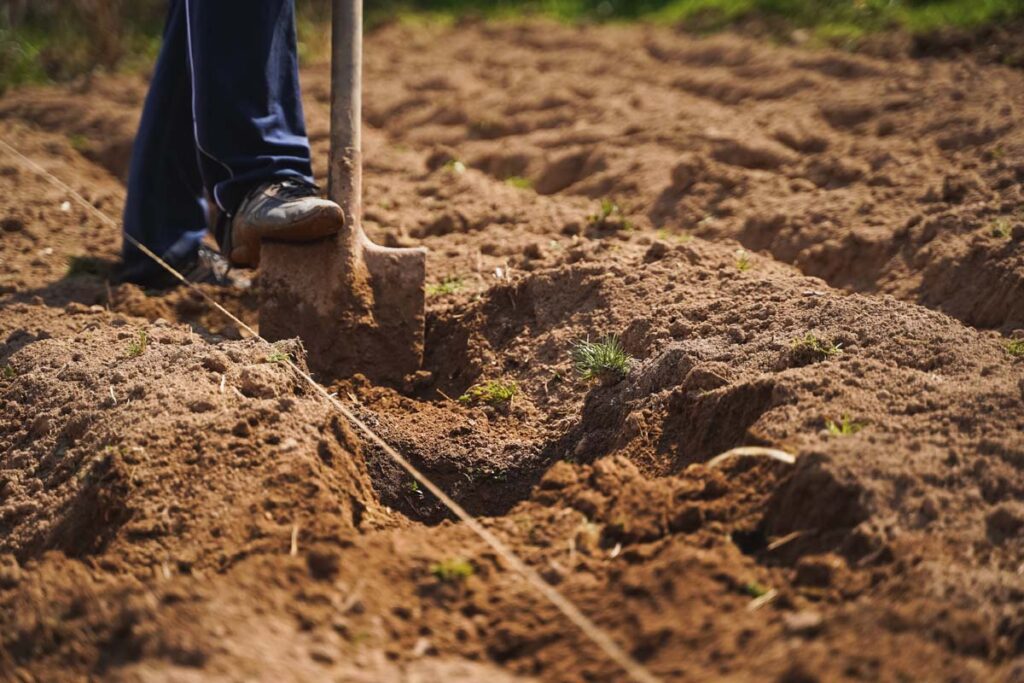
column 215, row 361
column 241, row 429
column 1017, row 232
column 1006, row 522
column 805, row 624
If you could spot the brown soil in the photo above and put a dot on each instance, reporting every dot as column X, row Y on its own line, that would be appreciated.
column 192, row 511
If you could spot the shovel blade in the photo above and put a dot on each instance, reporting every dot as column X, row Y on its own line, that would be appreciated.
column 373, row 325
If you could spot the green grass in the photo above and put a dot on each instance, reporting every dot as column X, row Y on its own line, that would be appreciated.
column 138, row 345
column 455, row 166
column 676, row 237
column 743, row 262
column 607, row 209
column 844, row 427
column 497, row 393
column 519, row 182
column 811, row 345
column 449, row 285
column 755, row 589
column 1015, row 347
column 58, row 41
column 1000, row 228
column 8, row 372
column 452, row 570
column 277, row 357
column 603, row 360
column 610, row 215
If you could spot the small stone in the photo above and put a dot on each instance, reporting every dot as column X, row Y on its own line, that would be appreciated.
column 805, row 624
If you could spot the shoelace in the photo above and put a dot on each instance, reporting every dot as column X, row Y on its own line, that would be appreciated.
column 292, row 188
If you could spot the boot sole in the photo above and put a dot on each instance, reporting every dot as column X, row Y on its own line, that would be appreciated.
column 317, row 226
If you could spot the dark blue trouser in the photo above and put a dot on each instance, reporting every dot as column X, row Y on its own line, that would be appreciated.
column 223, row 115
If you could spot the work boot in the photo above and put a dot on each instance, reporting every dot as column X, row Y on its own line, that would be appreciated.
column 287, row 210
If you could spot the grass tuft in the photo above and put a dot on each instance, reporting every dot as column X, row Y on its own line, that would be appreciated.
column 814, row 348
column 844, row 427
column 447, row 286
column 1015, row 347
column 455, row 166
column 1000, row 228
column 137, row 346
column 519, row 182
column 452, row 570
column 743, row 262
column 8, row 372
column 673, row 236
column 609, row 216
column 496, row 393
column 755, row 589
column 603, row 360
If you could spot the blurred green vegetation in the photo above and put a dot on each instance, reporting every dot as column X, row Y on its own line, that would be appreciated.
column 53, row 40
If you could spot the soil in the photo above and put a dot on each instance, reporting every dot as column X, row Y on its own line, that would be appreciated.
column 810, row 250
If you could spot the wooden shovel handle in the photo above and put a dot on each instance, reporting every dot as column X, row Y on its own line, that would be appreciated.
column 345, row 182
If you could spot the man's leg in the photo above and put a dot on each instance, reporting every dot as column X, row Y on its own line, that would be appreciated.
column 247, row 108
column 165, row 210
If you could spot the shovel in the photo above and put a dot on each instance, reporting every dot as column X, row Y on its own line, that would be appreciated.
column 358, row 307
